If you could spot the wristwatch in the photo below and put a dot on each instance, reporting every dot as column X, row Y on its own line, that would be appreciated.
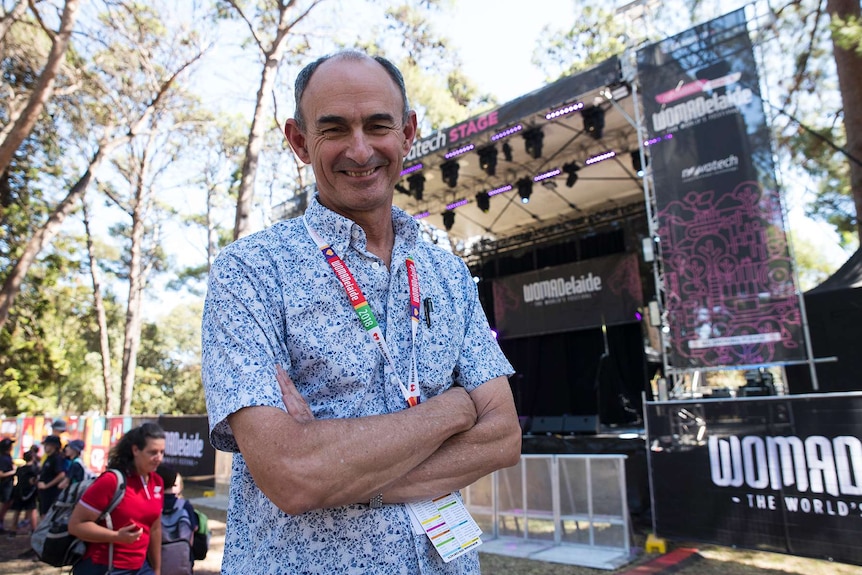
column 376, row 501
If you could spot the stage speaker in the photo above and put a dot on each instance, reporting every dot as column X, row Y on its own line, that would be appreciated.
column 547, row 424
column 585, row 424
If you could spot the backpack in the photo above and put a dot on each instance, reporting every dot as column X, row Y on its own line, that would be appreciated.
column 52, row 541
column 176, row 540
column 201, row 542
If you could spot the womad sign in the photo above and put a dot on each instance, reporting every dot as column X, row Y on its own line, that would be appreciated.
column 563, row 298
column 729, row 289
column 777, row 474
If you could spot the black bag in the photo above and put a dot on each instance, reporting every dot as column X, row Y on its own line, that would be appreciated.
column 52, row 541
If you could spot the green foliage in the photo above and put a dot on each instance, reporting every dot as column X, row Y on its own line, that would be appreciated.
column 168, row 375
column 848, row 33
column 45, row 346
column 596, row 35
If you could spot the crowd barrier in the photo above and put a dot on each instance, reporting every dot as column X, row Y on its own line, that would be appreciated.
column 561, row 508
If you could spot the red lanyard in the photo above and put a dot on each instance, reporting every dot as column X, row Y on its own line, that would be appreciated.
column 366, row 315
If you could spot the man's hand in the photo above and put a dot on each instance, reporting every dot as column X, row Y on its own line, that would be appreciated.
column 295, row 404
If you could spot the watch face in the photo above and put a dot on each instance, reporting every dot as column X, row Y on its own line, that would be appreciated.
column 376, row 501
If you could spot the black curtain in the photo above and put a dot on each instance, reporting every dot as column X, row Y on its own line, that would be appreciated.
column 572, row 373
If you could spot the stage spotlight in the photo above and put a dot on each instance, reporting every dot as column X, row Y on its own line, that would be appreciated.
column 450, row 172
column 507, row 151
column 636, row 163
column 448, row 219
column 571, row 170
column 417, row 185
column 488, row 159
column 525, row 189
column 483, row 201
column 533, row 142
column 594, row 121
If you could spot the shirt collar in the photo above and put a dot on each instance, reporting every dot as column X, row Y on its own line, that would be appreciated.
column 339, row 231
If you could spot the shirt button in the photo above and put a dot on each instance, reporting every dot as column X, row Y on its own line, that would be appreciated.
column 375, row 265
column 355, row 234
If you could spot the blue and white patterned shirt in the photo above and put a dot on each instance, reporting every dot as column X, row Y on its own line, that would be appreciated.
column 274, row 299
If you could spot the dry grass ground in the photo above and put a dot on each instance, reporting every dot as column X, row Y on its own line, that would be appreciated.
column 711, row 560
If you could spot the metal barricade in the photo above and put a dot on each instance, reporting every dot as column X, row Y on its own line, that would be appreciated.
column 562, row 508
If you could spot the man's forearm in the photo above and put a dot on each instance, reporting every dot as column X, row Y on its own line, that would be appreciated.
column 493, row 443
column 329, row 463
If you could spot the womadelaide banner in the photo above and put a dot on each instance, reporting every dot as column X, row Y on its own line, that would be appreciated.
column 579, row 295
column 729, row 290
column 779, row 474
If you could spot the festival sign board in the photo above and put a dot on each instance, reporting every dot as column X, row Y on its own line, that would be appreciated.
column 187, row 446
column 779, row 474
column 589, row 293
column 730, row 295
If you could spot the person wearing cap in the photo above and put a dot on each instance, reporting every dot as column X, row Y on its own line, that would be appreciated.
column 52, row 473
column 75, row 471
column 7, row 478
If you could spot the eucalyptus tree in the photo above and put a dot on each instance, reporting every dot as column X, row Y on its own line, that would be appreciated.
column 21, row 119
column 141, row 48
column 271, row 25
column 125, row 86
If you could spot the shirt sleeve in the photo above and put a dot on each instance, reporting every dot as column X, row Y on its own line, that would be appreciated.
column 98, row 496
column 481, row 358
column 242, row 337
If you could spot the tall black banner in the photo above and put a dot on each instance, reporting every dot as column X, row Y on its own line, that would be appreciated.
column 780, row 474
column 729, row 290
column 589, row 293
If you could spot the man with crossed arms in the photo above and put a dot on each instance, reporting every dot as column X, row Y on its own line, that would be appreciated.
column 309, row 370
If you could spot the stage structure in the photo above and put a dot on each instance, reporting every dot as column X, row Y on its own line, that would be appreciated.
column 545, row 194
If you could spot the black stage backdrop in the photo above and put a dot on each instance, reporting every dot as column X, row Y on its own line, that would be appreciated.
column 781, row 474
column 565, row 373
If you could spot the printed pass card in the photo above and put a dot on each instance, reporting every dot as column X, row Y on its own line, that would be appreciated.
column 448, row 525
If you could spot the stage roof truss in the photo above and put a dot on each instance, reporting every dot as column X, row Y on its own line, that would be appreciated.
column 598, row 186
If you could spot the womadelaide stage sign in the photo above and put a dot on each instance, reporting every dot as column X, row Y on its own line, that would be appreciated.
column 730, row 294
column 572, row 296
column 781, row 474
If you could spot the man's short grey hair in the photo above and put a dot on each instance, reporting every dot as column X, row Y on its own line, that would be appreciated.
column 305, row 76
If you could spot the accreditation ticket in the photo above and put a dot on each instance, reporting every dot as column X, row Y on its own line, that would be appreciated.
column 448, row 525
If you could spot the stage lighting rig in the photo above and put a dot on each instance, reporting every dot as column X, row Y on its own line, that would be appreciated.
column 507, row 151
column 571, row 171
column 594, row 121
column 450, row 172
column 488, row 159
column 533, row 142
column 525, row 189
column 417, row 185
column 448, row 219
column 483, row 201
column 403, row 190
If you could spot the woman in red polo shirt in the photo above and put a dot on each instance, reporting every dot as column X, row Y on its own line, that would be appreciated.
column 136, row 532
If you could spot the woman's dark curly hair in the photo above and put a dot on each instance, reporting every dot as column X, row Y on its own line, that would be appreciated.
column 121, row 456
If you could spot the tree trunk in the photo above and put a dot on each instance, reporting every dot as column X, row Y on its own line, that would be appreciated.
column 849, row 66
column 43, row 88
column 101, row 316
column 272, row 59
